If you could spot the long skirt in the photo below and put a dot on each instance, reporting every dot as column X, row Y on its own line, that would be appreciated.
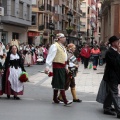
column 28, row 59
column 13, row 86
column 103, row 92
column 1, row 92
column 59, row 77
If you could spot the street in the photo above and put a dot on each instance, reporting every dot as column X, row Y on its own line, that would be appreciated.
column 36, row 103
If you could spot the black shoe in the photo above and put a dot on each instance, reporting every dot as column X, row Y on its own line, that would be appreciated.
column 16, row 98
column 112, row 109
column 77, row 100
column 94, row 69
column 118, row 115
column 109, row 112
column 8, row 96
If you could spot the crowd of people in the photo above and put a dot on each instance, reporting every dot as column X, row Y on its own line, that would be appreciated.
column 65, row 61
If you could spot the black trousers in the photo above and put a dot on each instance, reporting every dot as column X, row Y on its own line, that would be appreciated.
column 86, row 62
column 112, row 97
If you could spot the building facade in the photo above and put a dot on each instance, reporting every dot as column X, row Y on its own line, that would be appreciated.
column 55, row 11
column 62, row 7
column 110, row 19
column 42, row 13
column 90, row 22
column 16, row 19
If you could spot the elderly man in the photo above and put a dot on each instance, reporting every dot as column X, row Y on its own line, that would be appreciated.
column 57, row 57
column 112, row 77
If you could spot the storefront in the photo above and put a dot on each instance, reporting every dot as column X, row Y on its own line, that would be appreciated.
column 32, row 37
column 11, row 32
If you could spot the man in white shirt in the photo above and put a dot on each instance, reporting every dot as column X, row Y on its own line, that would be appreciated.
column 57, row 57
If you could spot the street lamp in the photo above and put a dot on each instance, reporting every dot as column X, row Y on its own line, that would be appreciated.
column 69, row 30
column 70, row 16
column 92, row 37
column 51, row 27
column 79, row 37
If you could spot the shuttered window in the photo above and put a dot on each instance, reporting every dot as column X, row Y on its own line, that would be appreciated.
column 20, row 10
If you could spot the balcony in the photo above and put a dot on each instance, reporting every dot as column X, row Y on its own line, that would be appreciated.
column 50, row 8
column 41, row 27
column 41, row 7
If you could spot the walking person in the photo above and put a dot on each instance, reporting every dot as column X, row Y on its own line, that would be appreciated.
column 86, row 52
column 72, row 72
column 112, row 77
column 13, row 69
column 57, row 57
column 95, row 54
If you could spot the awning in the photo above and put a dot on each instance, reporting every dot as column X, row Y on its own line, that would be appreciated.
column 33, row 34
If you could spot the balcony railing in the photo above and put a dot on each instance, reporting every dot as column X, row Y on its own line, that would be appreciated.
column 41, row 7
column 41, row 27
column 47, row 7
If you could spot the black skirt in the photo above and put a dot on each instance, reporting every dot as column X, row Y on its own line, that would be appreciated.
column 59, row 78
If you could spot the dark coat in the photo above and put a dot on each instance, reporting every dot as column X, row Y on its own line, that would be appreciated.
column 112, row 69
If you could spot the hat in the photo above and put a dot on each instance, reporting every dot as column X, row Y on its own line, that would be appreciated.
column 113, row 39
column 59, row 35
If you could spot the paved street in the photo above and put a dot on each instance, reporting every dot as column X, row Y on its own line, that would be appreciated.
column 37, row 101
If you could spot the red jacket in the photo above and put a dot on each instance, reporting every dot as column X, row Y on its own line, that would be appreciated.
column 86, row 53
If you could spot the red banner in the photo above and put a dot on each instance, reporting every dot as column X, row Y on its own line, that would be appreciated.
column 33, row 34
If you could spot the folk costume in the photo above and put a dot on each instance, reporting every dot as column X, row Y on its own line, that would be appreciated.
column 57, row 57
column 1, row 74
column 13, row 69
column 112, row 79
column 28, row 57
column 72, row 72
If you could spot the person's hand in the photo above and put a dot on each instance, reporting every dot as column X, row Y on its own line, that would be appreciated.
column 46, row 71
column 67, row 71
column 77, row 66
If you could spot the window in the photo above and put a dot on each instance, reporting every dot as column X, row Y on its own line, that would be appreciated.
column 21, row 10
column 34, row 18
column 13, row 7
column 99, row 29
column 34, row 2
column 84, row 14
column 15, row 35
column 83, row 4
column 28, row 12
column 4, row 3
column 88, row 10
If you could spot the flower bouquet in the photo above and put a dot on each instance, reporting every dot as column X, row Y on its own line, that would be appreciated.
column 23, row 77
column 50, row 74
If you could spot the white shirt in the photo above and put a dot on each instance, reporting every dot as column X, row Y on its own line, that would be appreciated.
column 52, row 54
column 114, row 48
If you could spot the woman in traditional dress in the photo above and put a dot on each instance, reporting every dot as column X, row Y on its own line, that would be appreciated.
column 13, row 69
column 1, row 49
column 28, row 57
column 2, row 60
column 6, row 49
column 45, row 52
